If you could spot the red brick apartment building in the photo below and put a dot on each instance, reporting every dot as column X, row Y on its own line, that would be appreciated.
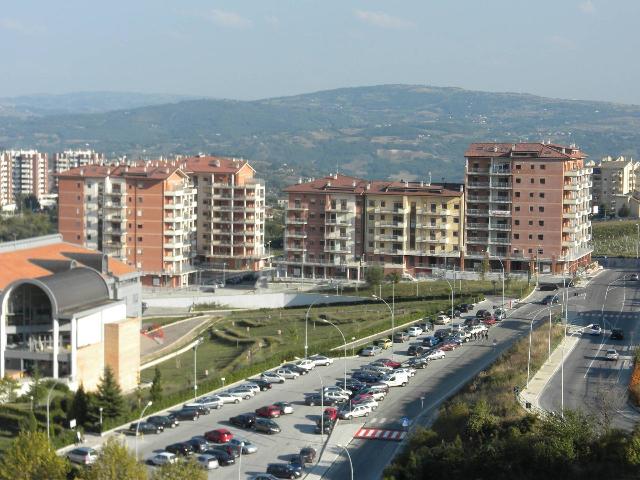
column 336, row 225
column 527, row 204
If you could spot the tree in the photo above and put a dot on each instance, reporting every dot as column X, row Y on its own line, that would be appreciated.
column 179, row 471
column 115, row 462
column 484, row 266
column 374, row 275
column 79, row 406
column 8, row 388
column 155, row 392
column 109, row 395
column 394, row 277
column 29, row 423
column 624, row 211
column 37, row 390
column 32, row 456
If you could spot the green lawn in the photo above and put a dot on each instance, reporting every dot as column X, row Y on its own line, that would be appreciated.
column 615, row 238
column 162, row 321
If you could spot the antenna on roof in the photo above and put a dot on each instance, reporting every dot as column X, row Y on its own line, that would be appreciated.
column 429, row 178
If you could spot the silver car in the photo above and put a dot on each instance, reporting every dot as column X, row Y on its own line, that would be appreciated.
column 208, row 462
column 83, row 455
column 246, row 392
column 247, row 446
column 211, row 401
column 229, row 397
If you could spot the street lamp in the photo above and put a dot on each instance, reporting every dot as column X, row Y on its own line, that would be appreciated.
column 393, row 320
column 149, row 403
column 502, row 266
column 345, row 349
column 637, row 240
column 55, row 382
column 306, row 325
column 269, row 252
column 100, row 410
column 223, row 379
column 452, row 291
column 195, row 363
column 321, row 409
column 349, row 457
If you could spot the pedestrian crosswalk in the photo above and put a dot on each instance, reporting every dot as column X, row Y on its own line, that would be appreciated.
column 380, row 434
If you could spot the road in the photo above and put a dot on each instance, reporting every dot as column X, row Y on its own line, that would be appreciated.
column 591, row 382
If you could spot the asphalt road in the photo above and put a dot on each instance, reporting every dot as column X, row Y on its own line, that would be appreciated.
column 435, row 384
column 591, row 382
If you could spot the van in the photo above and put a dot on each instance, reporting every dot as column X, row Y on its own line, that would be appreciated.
column 396, row 379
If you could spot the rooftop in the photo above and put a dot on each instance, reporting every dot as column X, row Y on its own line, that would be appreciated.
column 210, row 164
column 538, row 150
column 159, row 170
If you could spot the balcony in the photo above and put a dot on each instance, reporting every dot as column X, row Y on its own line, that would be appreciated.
column 506, row 170
column 477, row 198
column 481, row 171
column 574, row 215
column 172, row 231
column 173, row 244
column 477, row 226
column 477, row 212
column 173, row 193
column 172, row 257
column 173, row 219
column 337, row 249
column 570, row 229
column 501, row 199
column 337, row 209
column 478, row 185
column 571, row 201
column 499, row 241
column 501, row 185
column 297, row 208
column 500, row 226
column 114, row 205
column 572, row 187
column 336, row 236
column 477, row 240
column 336, row 221
column 391, row 238
column 295, row 221
column 567, row 242
column 295, row 248
column 173, row 206
column 500, row 213
column 295, row 234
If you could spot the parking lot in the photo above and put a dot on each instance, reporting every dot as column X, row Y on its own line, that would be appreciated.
column 298, row 428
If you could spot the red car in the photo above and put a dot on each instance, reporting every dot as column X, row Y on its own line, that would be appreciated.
column 488, row 321
column 221, row 435
column 270, row 411
column 391, row 364
column 330, row 413
column 362, row 397
column 447, row 347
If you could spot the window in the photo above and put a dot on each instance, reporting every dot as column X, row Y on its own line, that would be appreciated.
column 540, row 237
column 517, row 194
column 456, row 220
column 517, row 222
column 139, row 199
column 518, row 208
column 77, row 237
column 443, row 206
column 531, row 209
column 370, row 244
column 371, row 231
column 139, row 226
column 78, row 197
column 372, row 203
column 543, row 167
column 383, row 203
column 455, row 234
column 530, row 194
column 530, row 222
column 541, row 223
column 531, row 250
column 140, row 239
column 533, row 166
column 456, row 206
column 543, row 181
column 541, row 209
column 530, row 237
column 532, row 180
column 518, row 166
column 541, row 194
column 516, row 236
column 371, row 217
column 518, row 180
column 88, row 237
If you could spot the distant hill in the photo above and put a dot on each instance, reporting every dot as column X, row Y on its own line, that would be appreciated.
column 398, row 131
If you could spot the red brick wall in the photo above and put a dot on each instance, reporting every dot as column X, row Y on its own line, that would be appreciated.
column 71, row 210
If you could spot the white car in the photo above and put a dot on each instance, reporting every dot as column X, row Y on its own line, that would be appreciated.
column 414, row 331
column 336, row 395
column 247, row 446
column 272, row 377
column 355, row 412
column 594, row 329
column 229, row 397
column 306, row 364
column 163, row 458
column 83, row 455
column 287, row 373
column 246, row 392
column 369, row 402
column 378, row 395
column 395, row 379
column 254, row 388
column 371, row 351
column 436, row 354
column 321, row 360
column 285, row 407
column 343, row 391
column 612, row 354
column 442, row 320
column 208, row 462
column 210, row 401
column 410, row 372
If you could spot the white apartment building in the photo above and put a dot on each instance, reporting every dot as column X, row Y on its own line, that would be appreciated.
column 614, row 181
column 63, row 161
column 26, row 171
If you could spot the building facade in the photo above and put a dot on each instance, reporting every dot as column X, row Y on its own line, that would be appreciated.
column 614, row 181
column 230, row 213
column 69, row 159
column 140, row 214
column 338, row 225
column 528, row 206
column 23, row 172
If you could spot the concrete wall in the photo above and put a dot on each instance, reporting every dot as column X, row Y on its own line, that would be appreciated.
column 259, row 300
column 122, row 351
column 90, row 365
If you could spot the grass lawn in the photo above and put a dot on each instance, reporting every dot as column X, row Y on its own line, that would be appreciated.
column 162, row 321
column 615, row 238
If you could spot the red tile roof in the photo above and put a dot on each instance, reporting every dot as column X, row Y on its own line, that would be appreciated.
column 150, row 170
column 30, row 262
column 541, row 150
column 209, row 164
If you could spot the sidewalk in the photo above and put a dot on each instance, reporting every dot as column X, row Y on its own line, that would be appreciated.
column 341, row 435
column 541, row 378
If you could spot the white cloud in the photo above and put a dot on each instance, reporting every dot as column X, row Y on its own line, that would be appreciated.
column 587, row 7
column 229, row 19
column 13, row 25
column 382, row 20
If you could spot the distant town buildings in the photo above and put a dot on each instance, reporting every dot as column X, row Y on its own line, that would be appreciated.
column 528, row 206
column 337, row 225
column 69, row 159
column 22, row 172
column 68, row 312
column 614, row 183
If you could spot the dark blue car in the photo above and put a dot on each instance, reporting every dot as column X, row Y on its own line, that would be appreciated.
column 431, row 341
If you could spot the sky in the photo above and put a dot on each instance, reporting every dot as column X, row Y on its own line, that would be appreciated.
column 247, row 49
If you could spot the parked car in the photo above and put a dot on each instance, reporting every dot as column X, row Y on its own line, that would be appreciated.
column 499, row 314
column 471, row 321
column 199, row 443
column 400, row 337
column 489, row 321
column 246, row 392
column 340, row 390
column 612, row 354
column 164, row 420
column 482, row 313
column 208, row 462
column 227, row 397
column 261, row 383
column 272, row 377
column 377, row 394
column 228, row 448
column 306, row 364
column 367, row 377
column 224, row 459
column 548, row 287
column 268, row 411
column 285, row 407
column 370, row 351
column 416, row 349
column 395, row 379
column 383, row 343
column 180, row 448
column 264, row 476
column 634, row 277
column 253, row 386
column 321, row 360
column 83, row 455
column 295, row 368
column 244, row 420
column 417, row 362
column 206, row 402
column 283, row 470
column 325, row 425
column 352, row 384
column 435, row 354
column 316, row 399
column 617, row 334
column 442, row 333
column 355, row 411
column 410, row 372
column 219, row 435
column 550, row 300
column 201, row 409
column 465, row 307
column 163, row 458
column 442, row 320
column 330, row 413
column 287, row 373
column 387, row 362
column 338, row 396
column 185, row 414
column 266, row 425
column 246, row 446
column 366, row 400
column 414, row 331
column 308, row 454
column 141, row 428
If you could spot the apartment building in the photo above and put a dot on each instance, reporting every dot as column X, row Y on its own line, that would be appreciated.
column 24, row 172
column 337, row 225
column 527, row 205
column 63, row 161
column 7, row 201
column 230, row 212
column 142, row 214
column 614, row 181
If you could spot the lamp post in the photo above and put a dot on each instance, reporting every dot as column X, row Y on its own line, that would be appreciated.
column 393, row 320
column 195, row 363
column 345, row 349
column 349, row 457
column 321, row 409
column 149, row 403
column 502, row 266
column 269, row 252
column 637, row 240
column 100, row 410
column 223, row 379
column 452, row 292
column 55, row 382
column 306, row 325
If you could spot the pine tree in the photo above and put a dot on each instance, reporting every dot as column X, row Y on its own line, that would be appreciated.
column 79, row 406
column 109, row 395
column 156, row 386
